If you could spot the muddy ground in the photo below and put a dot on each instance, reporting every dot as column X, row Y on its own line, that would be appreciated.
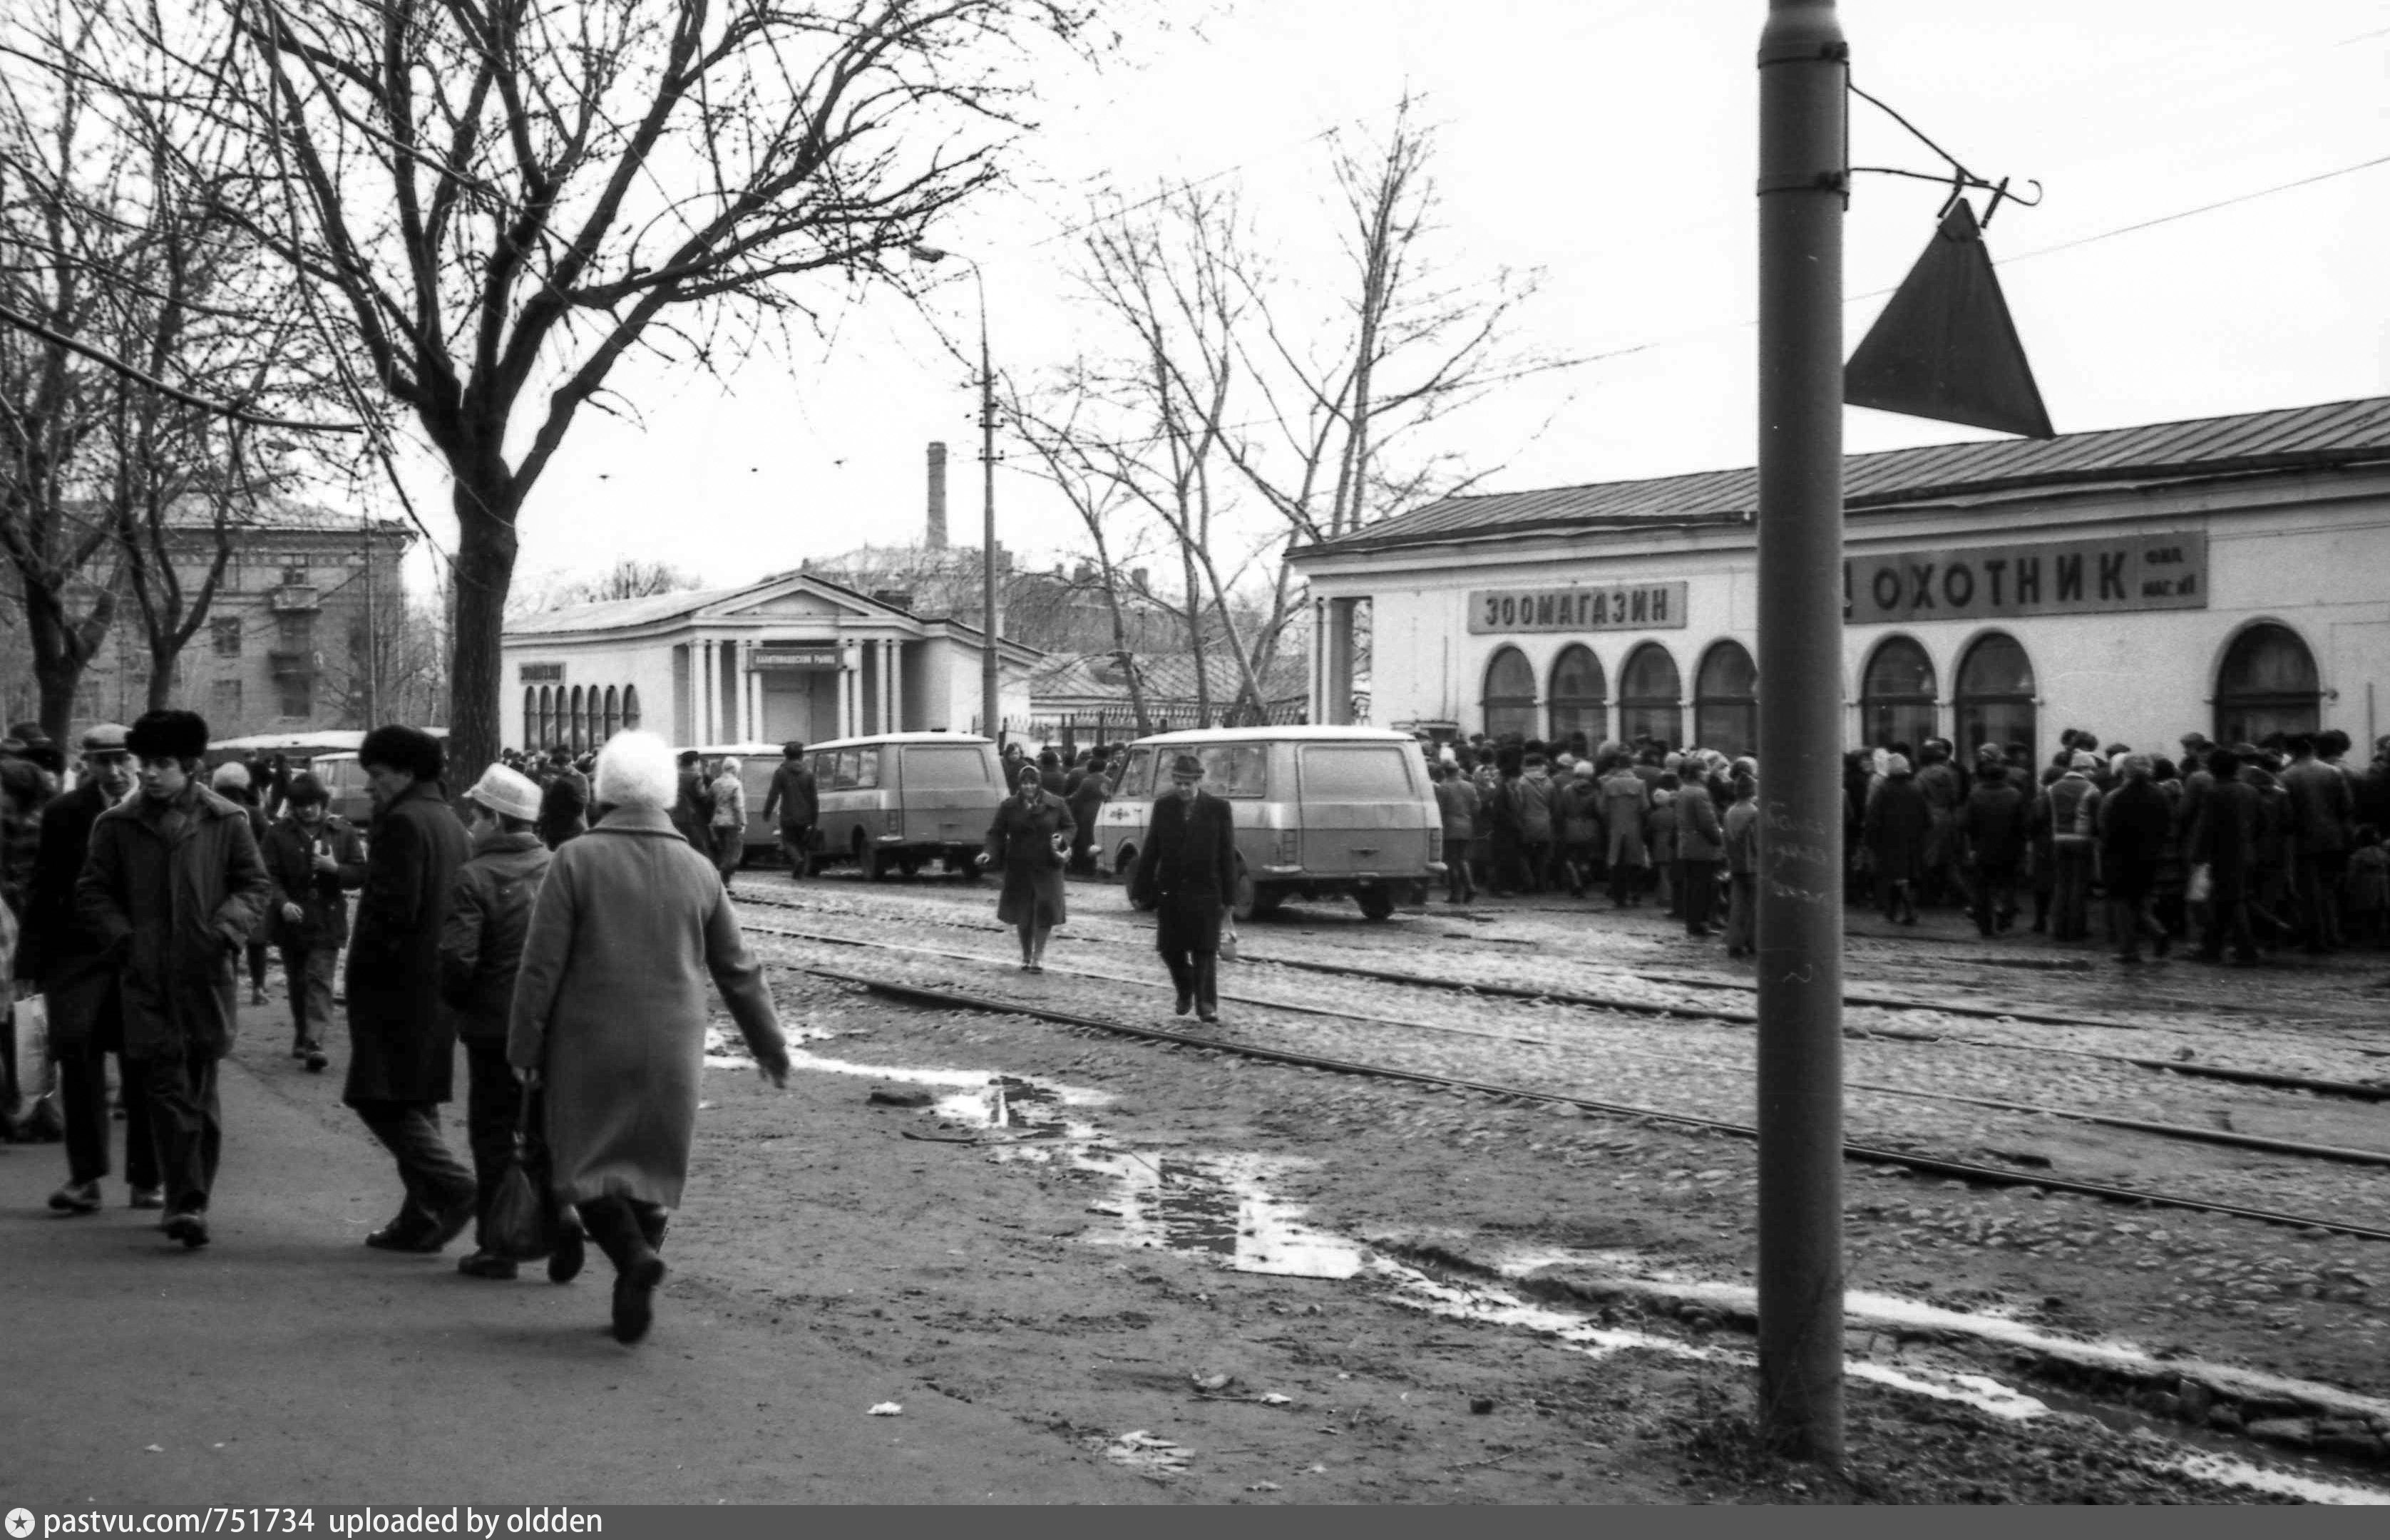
column 1075, row 1265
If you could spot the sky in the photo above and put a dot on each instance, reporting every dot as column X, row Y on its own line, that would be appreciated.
column 1608, row 145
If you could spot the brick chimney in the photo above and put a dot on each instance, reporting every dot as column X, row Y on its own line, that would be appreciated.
column 937, row 539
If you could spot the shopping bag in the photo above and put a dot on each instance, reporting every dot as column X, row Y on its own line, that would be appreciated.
column 36, row 1076
column 1229, row 938
column 523, row 1220
column 2201, row 886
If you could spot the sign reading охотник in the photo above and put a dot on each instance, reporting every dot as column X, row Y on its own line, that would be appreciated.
column 1624, row 607
column 2167, row 571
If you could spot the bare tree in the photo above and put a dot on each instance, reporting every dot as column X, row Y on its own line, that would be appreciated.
column 630, row 578
column 501, row 200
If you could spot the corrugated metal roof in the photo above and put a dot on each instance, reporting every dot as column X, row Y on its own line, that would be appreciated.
column 606, row 615
column 2341, row 432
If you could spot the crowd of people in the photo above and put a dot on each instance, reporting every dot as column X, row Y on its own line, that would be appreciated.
column 2248, row 849
column 564, row 935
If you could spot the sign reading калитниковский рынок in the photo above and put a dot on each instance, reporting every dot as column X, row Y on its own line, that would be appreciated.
column 1616, row 607
column 2167, row 571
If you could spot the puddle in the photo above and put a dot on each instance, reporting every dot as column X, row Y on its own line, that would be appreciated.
column 2228, row 1471
column 1217, row 1205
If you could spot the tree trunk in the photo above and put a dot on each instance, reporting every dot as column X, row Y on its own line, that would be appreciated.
column 485, row 570
column 63, row 650
column 161, row 684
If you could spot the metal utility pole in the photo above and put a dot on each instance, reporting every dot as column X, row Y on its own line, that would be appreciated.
column 373, row 659
column 993, row 629
column 1804, row 186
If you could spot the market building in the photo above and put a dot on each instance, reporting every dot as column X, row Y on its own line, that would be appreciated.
column 792, row 656
column 2229, row 576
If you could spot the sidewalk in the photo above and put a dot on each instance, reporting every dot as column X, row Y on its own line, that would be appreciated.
column 287, row 1363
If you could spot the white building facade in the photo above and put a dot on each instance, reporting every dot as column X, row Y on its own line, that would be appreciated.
column 2229, row 576
column 792, row 657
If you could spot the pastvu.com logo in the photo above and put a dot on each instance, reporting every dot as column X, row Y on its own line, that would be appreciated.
column 20, row 1522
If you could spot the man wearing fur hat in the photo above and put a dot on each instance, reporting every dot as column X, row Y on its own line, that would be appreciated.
column 315, row 860
column 401, row 1036
column 173, row 888
column 481, row 951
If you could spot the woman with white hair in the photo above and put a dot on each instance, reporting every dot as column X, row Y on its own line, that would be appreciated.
column 609, row 1013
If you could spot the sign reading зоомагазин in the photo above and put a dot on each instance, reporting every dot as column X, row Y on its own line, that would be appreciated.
column 1623, row 607
column 2167, row 571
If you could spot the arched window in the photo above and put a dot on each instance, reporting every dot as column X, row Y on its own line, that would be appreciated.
column 1650, row 696
column 543, row 731
column 1510, row 695
column 631, row 708
column 531, row 718
column 1897, row 696
column 1580, row 697
column 613, row 712
column 577, row 732
column 2267, row 684
column 1994, row 697
column 1725, row 701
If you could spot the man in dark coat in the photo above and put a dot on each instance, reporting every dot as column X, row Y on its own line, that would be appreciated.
column 481, row 951
column 2134, row 823
column 171, row 889
column 1087, row 798
column 798, row 804
column 401, row 1036
column 314, row 860
column 1897, row 818
column 692, row 811
column 2224, row 840
column 69, row 963
column 1992, row 830
column 1187, row 872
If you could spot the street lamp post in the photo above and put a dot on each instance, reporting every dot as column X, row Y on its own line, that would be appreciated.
column 991, row 628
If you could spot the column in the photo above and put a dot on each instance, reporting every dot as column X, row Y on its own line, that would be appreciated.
column 701, row 678
column 845, row 697
column 896, row 687
column 1337, row 709
column 747, row 692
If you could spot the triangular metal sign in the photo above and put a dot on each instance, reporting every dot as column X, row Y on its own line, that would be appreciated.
column 1944, row 347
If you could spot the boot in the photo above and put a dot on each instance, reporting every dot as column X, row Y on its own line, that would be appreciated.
column 1207, row 991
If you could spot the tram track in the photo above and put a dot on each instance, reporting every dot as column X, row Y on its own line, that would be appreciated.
column 2194, row 1133
column 1972, row 1172
column 1731, row 1015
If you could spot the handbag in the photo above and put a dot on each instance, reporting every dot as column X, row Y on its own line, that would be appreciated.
column 524, row 1220
column 1227, row 951
column 2201, row 886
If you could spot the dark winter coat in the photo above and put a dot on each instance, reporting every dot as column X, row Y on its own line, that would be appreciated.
column 172, row 893
column 1897, row 820
column 2134, row 823
column 1536, row 795
column 1994, row 825
column 2321, row 806
column 609, row 1004
column 563, row 808
column 692, row 811
column 1699, row 835
column 1190, row 860
column 481, row 939
column 2224, row 838
column 1021, row 841
column 59, row 950
column 290, row 853
column 403, row 1037
column 792, row 798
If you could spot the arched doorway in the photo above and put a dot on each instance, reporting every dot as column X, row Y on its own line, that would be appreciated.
column 1510, row 695
column 631, row 708
column 1897, row 696
column 613, row 712
column 1650, row 696
column 545, row 729
column 579, row 730
column 1580, row 697
column 2267, row 684
column 531, row 717
column 1995, row 696
column 1725, row 700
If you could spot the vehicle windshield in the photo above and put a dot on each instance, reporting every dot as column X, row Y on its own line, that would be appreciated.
column 1373, row 772
column 946, row 767
column 1234, row 769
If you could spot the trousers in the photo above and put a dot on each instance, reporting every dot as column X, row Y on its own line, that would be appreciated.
column 186, row 1125
column 1189, row 936
column 83, row 1101
column 1699, row 880
column 492, row 1109
column 2070, row 905
column 311, row 971
column 435, row 1180
column 1742, row 913
column 1995, row 896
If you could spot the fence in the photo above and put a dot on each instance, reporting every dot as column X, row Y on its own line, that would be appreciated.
column 1075, row 730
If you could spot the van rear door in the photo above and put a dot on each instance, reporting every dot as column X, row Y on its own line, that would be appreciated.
column 1363, row 810
column 948, row 792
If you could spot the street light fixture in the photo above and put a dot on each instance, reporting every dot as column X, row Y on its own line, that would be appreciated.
column 990, row 626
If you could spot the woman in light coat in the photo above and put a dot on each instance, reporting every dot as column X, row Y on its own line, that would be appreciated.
column 609, row 1013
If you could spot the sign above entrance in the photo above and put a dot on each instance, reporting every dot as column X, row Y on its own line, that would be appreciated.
column 1627, row 606
column 763, row 659
column 540, row 673
column 2167, row 571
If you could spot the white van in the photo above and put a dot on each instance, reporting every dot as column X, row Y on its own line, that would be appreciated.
column 896, row 800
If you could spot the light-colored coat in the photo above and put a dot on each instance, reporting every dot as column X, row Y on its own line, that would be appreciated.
column 609, row 1004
